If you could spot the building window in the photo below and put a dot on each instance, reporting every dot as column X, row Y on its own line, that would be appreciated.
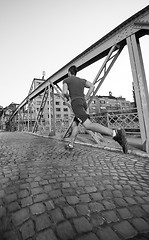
column 66, row 116
column 58, row 115
column 58, row 109
column 65, row 109
column 57, row 103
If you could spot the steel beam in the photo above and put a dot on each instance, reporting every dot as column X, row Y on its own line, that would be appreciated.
column 28, row 116
column 49, row 112
column 41, row 109
column 142, row 25
column 104, row 70
column 140, row 87
column 53, row 108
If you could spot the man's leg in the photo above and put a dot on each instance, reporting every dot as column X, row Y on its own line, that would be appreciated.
column 96, row 127
column 73, row 135
column 118, row 135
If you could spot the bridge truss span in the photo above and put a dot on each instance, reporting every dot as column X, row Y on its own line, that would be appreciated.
column 109, row 47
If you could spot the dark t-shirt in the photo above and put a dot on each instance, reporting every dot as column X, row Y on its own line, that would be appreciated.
column 75, row 86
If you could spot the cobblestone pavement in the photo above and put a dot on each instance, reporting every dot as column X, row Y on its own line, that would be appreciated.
column 48, row 193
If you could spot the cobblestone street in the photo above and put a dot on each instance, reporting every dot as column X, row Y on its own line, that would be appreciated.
column 48, row 193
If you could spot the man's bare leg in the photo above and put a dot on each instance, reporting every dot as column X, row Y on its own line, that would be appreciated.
column 96, row 127
column 74, row 133
column 118, row 135
column 73, row 136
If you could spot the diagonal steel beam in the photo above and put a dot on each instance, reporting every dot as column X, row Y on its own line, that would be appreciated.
column 42, row 105
column 105, row 69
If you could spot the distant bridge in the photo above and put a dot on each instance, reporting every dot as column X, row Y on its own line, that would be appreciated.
column 110, row 46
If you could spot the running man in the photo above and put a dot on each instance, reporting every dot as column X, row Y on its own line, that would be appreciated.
column 73, row 88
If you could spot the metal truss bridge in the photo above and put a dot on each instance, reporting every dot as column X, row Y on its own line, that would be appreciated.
column 109, row 47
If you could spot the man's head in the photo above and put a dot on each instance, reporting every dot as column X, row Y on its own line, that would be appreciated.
column 72, row 70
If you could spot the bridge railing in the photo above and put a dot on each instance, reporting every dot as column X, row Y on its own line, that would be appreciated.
column 128, row 120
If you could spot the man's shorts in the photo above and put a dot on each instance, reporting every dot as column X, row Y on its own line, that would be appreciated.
column 79, row 108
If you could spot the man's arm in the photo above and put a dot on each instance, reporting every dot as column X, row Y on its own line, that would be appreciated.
column 91, row 89
column 65, row 91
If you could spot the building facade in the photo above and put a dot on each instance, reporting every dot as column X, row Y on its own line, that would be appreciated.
column 103, row 104
column 5, row 116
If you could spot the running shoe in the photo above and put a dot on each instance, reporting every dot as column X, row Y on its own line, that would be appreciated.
column 121, row 139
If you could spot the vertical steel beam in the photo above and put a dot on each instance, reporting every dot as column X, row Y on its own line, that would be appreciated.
column 19, row 120
column 53, row 107
column 31, row 120
column 15, row 122
column 49, row 112
column 23, row 121
column 28, row 115
column 140, row 87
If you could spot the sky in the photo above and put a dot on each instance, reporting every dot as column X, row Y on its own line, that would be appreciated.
column 44, row 35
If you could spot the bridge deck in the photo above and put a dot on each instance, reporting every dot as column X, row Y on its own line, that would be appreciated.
column 47, row 192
